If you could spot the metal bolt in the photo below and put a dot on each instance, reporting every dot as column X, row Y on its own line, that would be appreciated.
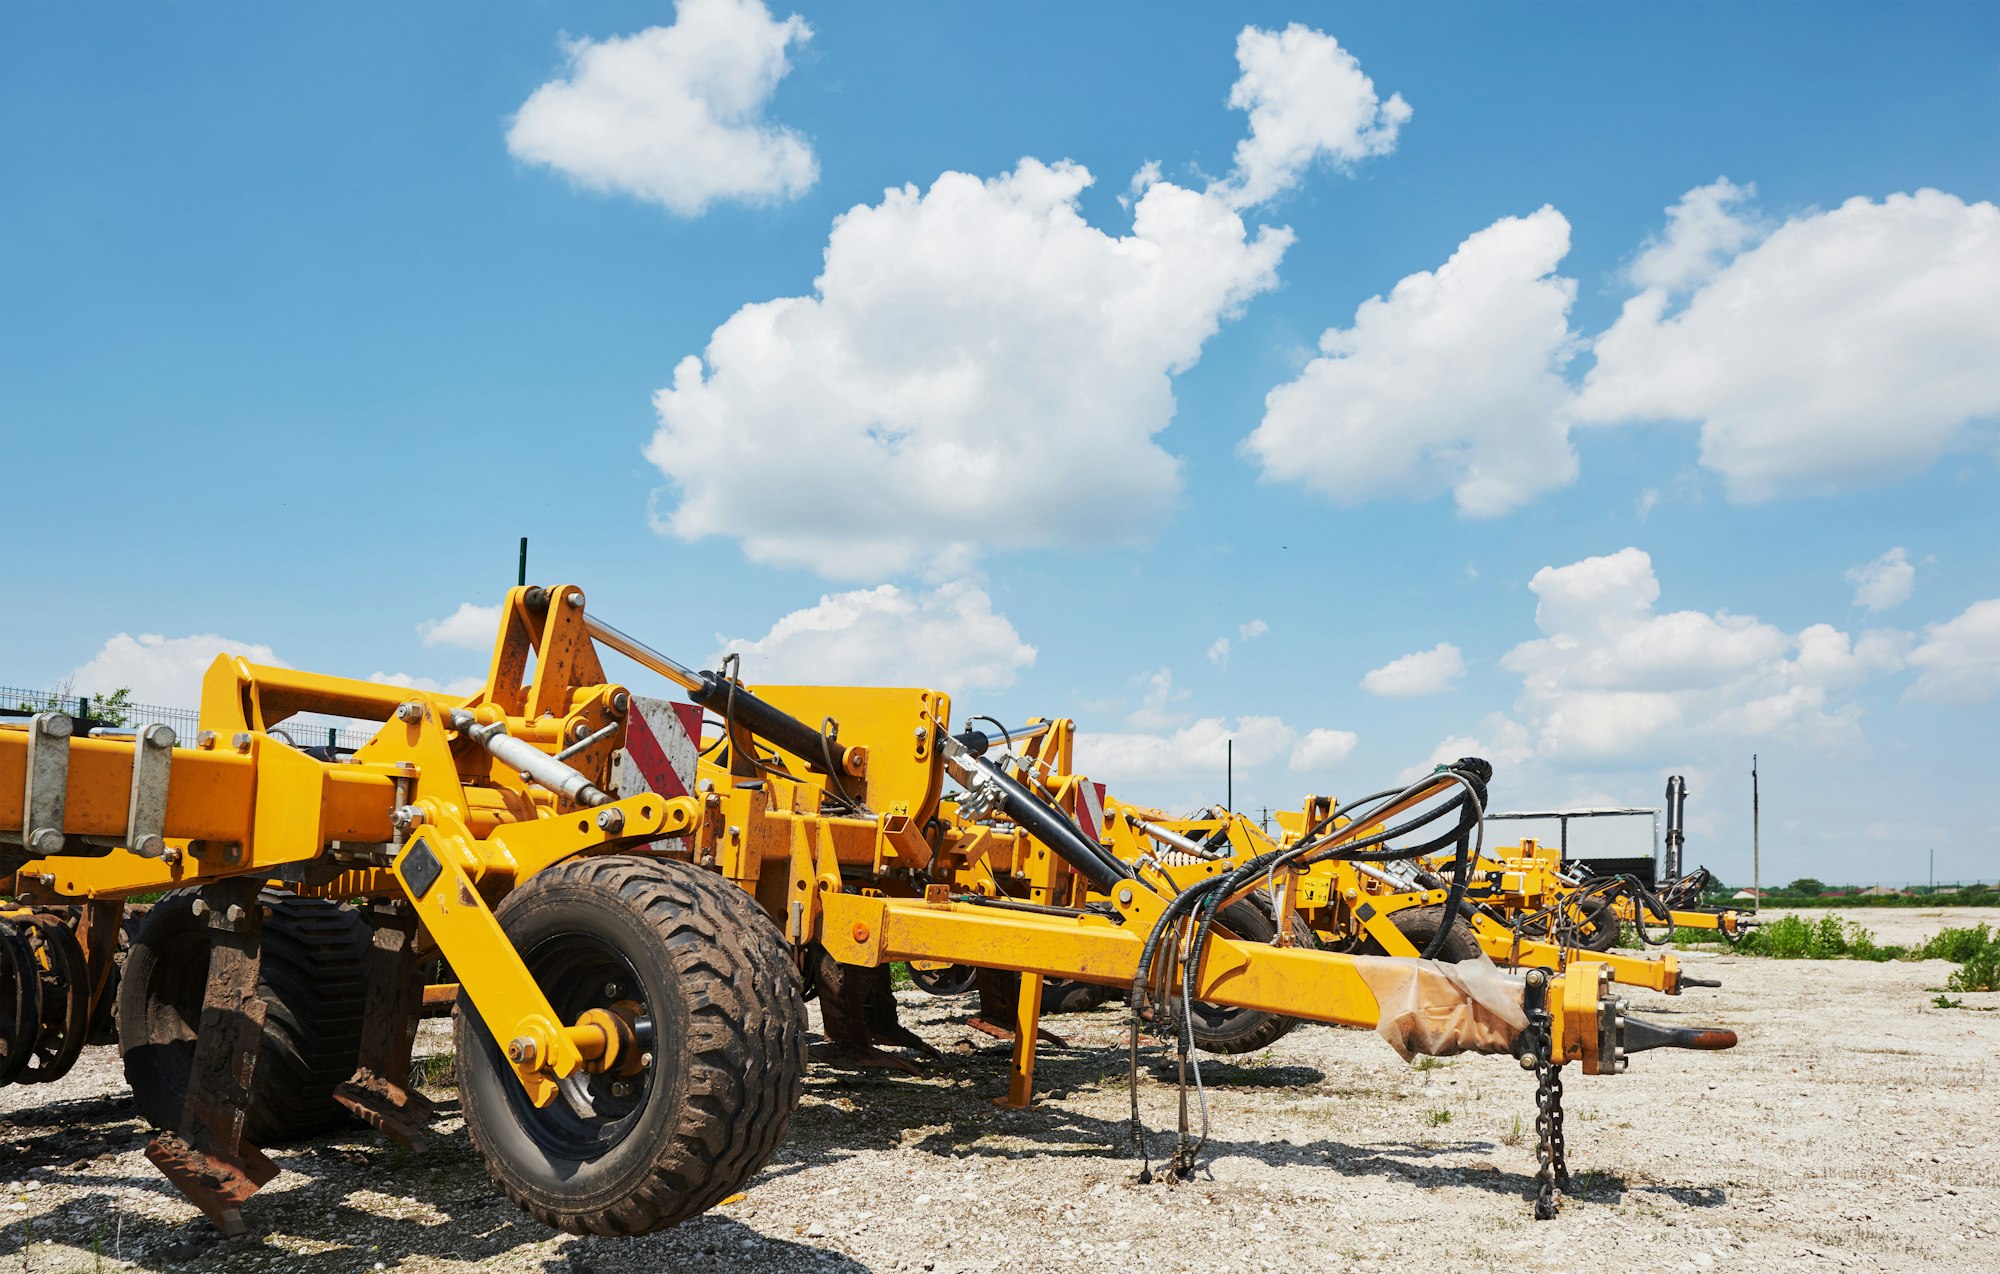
column 159, row 736
column 204, row 739
column 200, row 907
column 47, row 878
column 619, row 702
column 151, row 845
column 170, row 856
column 521, row 1051
column 235, row 913
column 612, row 990
column 412, row 711
column 1125, row 896
column 242, row 741
column 623, row 1088
column 46, row 840
column 735, row 832
column 580, row 729
column 611, row 821
column 231, row 852
column 922, row 732
column 575, row 601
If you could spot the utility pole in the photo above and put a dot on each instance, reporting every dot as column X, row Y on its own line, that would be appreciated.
column 522, row 577
column 1933, row 870
column 1229, row 784
column 1756, row 861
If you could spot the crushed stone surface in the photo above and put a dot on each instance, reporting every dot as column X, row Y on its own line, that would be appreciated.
column 1854, row 1128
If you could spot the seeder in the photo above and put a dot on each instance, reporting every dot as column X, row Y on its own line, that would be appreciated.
column 635, row 906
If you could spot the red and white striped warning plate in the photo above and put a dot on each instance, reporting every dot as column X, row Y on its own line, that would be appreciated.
column 1090, row 809
column 660, row 747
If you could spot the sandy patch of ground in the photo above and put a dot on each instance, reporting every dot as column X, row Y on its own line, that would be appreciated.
column 1853, row 1128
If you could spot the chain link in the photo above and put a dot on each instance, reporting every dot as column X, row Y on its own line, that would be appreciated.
column 1551, row 1158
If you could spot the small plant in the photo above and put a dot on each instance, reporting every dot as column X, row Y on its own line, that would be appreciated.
column 1981, row 970
column 1946, row 1002
column 1957, row 945
column 899, row 977
column 439, row 1071
column 1442, row 1115
column 1513, row 1136
column 1429, row 1063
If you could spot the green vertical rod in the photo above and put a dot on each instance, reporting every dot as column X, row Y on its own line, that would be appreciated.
column 1229, row 784
column 521, row 576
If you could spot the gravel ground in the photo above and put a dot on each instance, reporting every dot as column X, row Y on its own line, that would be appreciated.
column 1853, row 1128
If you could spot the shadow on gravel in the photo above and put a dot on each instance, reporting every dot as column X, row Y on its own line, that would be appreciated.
column 343, row 1237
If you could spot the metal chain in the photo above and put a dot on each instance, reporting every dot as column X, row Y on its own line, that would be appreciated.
column 1552, row 1163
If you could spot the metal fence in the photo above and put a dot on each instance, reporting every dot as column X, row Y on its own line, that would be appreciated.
column 302, row 731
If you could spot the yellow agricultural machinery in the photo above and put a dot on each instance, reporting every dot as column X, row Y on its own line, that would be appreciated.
column 635, row 897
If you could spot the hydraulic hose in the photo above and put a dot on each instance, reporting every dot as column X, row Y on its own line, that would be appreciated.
column 1045, row 823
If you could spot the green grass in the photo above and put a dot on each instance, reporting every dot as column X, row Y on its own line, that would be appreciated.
column 899, row 977
column 1438, row 1117
column 440, row 1071
column 1975, row 949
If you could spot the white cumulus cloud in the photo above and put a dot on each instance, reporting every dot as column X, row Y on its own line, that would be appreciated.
column 1323, row 749
column 1427, row 672
column 1703, row 230
column 1220, row 649
column 1308, row 100
column 1614, row 677
column 949, row 638
column 1200, row 750
column 976, row 360
column 162, row 671
column 1454, row 381
column 456, row 686
column 674, row 115
column 1844, row 348
column 469, row 627
column 1885, row 582
column 1959, row 660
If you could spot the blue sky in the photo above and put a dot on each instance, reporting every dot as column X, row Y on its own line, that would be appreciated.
column 294, row 344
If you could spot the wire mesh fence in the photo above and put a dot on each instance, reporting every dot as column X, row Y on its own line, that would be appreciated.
column 303, row 731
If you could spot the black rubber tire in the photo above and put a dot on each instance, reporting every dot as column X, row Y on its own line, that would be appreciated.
column 729, row 1048
column 1066, row 995
column 1420, row 925
column 956, row 979
column 1232, row 1032
column 313, row 981
column 1601, row 923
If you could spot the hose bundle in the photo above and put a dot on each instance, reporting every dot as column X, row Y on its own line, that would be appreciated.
column 1190, row 916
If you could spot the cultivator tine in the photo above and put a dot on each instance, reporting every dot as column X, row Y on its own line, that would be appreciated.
column 1642, row 1036
column 379, row 1093
column 207, row 1159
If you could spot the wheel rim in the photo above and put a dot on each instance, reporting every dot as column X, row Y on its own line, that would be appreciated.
column 579, row 972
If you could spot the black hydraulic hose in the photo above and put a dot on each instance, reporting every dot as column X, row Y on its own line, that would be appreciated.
column 1461, row 875
column 739, row 706
column 1047, row 825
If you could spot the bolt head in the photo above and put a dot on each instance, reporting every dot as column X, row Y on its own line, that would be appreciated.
column 619, row 702
column 200, row 907
column 242, row 741
column 612, row 821
column 47, row 840
column 612, row 990
column 151, row 845
column 521, row 1051
column 574, row 601
column 235, row 914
